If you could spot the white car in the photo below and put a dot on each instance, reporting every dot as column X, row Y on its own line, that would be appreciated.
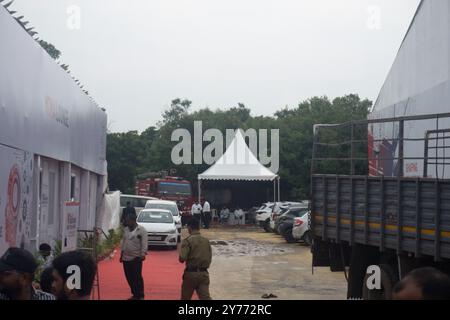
column 282, row 207
column 263, row 215
column 301, row 230
column 160, row 227
column 167, row 205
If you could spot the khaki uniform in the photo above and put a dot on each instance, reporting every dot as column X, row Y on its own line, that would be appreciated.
column 196, row 251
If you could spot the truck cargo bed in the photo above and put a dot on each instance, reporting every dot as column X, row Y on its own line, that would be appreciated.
column 409, row 215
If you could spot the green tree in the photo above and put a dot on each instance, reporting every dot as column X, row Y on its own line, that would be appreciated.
column 131, row 153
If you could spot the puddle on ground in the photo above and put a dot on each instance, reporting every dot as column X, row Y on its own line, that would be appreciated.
column 246, row 247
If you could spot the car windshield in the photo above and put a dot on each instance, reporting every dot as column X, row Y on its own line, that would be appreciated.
column 297, row 212
column 174, row 188
column 164, row 206
column 135, row 202
column 265, row 206
column 155, row 217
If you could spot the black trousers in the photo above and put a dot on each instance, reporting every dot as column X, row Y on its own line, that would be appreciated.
column 133, row 273
column 184, row 220
column 208, row 218
column 198, row 216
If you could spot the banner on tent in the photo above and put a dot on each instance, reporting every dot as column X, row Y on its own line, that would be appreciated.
column 16, row 176
column 70, row 226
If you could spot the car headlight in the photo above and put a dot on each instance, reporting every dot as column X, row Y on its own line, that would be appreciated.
column 173, row 231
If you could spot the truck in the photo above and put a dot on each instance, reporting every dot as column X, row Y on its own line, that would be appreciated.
column 162, row 186
column 380, row 197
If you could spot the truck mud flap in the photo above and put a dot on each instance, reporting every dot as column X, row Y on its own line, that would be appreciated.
column 327, row 254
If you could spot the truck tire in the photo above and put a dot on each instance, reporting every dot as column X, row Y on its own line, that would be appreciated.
column 388, row 280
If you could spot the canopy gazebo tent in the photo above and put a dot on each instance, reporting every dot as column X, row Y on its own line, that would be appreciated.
column 239, row 163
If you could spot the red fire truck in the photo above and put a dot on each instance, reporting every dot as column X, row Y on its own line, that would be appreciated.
column 165, row 187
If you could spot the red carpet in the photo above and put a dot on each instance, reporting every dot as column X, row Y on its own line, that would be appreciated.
column 161, row 271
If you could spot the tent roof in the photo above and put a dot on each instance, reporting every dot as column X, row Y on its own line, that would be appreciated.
column 238, row 163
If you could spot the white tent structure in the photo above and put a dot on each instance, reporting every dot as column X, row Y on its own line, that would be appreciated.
column 240, row 164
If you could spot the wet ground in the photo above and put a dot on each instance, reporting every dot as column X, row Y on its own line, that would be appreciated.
column 248, row 262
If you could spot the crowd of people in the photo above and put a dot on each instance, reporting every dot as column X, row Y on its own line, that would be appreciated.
column 203, row 213
column 69, row 276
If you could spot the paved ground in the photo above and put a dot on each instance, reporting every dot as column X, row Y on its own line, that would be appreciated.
column 247, row 263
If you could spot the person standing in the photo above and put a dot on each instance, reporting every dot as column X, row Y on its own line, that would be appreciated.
column 134, row 250
column 207, row 214
column 197, row 211
column 197, row 254
column 126, row 211
column 44, row 259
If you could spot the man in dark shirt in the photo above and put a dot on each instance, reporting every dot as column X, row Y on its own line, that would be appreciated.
column 128, row 210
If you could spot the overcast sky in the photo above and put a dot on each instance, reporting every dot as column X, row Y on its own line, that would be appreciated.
column 135, row 56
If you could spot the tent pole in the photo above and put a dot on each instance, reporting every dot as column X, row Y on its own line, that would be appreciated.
column 199, row 190
column 274, row 192
column 279, row 199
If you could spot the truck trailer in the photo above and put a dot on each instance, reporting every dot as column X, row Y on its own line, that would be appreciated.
column 380, row 187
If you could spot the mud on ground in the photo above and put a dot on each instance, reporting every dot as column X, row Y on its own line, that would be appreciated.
column 248, row 262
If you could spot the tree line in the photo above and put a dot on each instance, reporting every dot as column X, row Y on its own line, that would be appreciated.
column 132, row 153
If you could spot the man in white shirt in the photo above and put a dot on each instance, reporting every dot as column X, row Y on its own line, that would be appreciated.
column 197, row 211
column 207, row 214
column 239, row 215
column 134, row 250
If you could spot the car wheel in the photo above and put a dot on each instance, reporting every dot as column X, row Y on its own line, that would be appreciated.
column 277, row 230
column 267, row 226
column 307, row 237
column 288, row 236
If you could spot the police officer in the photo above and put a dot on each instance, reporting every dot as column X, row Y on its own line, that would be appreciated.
column 196, row 252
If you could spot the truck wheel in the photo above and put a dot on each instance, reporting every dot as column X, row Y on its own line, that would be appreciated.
column 307, row 237
column 388, row 280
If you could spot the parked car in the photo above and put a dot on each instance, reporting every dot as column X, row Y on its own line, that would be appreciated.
column 263, row 215
column 172, row 207
column 280, row 208
column 138, row 202
column 285, row 222
column 160, row 226
column 301, row 230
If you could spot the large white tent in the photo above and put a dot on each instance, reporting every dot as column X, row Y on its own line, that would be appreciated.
column 240, row 164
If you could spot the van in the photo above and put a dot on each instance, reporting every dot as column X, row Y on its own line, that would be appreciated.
column 138, row 202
